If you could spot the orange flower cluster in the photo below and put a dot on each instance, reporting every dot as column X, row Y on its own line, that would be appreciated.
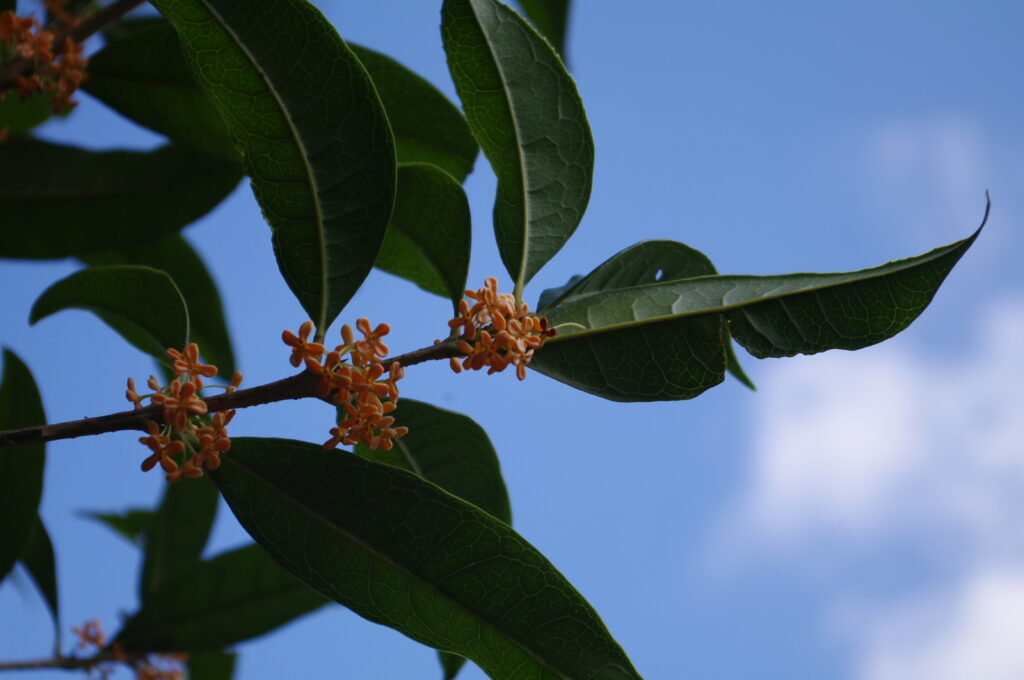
column 189, row 434
column 23, row 38
column 497, row 332
column 147, row 667
column 355, row 385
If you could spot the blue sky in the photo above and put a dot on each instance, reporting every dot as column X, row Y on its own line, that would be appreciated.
column 857, row 517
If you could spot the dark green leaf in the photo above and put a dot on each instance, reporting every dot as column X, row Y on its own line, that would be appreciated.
column 732, row 362
column 21, row 115
column 428, row 239
column 427, row 127
column 551, row 17
column 140, row 303
column 176, row 535
column 402, row 552
column 37, row 558
column 21, row 467
column 451, row 664
column 237, row 595
column 59, row 200
column 549, row 296
column 450, row 450
column 131, row 524
column 8, row 5
column 142, row 74
column 211, row 666
column 664, row 340
column 311, row 129
column 173, row 255
column 524, row 110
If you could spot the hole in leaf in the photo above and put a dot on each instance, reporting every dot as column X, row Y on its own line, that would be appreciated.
column 658, row 274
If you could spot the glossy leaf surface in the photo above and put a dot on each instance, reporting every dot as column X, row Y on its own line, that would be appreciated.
column 235, row 596
column 37, row 558
column 551, row 17
column 173, row 255
column 142, row 74
column 663, row 340
column 59, row 200
column 428, row 238
column 313, row 134
column 402, row 552
column 140, row 303
column 427, row 127
column 524, row 110
column 21, row 467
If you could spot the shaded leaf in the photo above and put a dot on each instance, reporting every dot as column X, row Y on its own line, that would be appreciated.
column 21, row 467
column 235, row 596
column 37, row 558
column 140, row 303
column 9, row 5
column 524, row 110
column 60, row 200
column 450, row 450
column 176, row 534
column 551, row 17
column 549, row 296
column 451, row 664
column 664, row 340
column 312, row 132
column 211, row 666
column 402, row 552
column 21, row 115
column 142, row 74
column 130, row 525
column 173, row 255
column 428, row 238
column 427, row 127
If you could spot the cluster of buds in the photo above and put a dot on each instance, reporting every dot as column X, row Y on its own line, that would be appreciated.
column 60, row 71
column 355, row 386
column 496, row 331
column 146, row 667
column 191, row 438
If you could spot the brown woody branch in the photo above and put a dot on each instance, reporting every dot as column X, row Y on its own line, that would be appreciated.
column 74, row 663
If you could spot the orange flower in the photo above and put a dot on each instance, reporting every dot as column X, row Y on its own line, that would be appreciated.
column 180, row 401
column 162, row 447
column 187, row 362
column 300, row 347
column 90, row 635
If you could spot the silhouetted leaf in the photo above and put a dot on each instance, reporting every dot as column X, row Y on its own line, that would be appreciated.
column 37, row 558
column 211, row 666
column 524, row 110
column 131, row 524
column 59, row 200
column 403, row 552
column 21, row 115
column 551, row 17
column 312, row 132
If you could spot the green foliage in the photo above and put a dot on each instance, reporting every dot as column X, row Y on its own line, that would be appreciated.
column 38, row 559
column 551, row 18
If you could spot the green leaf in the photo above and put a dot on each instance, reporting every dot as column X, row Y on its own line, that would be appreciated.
column 140, row 303
column 402, row 552
column 427, row 127
column 451, row 664
column 235, row 596
column 173, row 255
column 59, row 200
column 37, row 558
column 311, row 129
column 428, row 239
column 524, row 110
column 21, row 115
column 9, row 5
column 175, row 536
column 21, row 467
column 211, row 666
column 551, row 17
column 664, row 340
column 450, row 450
column 142, row 74
column 131, row 524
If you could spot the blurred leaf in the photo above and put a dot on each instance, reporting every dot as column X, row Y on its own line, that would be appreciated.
column 173, row 255
column 524, row 110
column 130, row 525
column 142, row 74
column 311, row 129
column 428, row 239
column 402, row 552
column 21, row 467
column 551, row 18
column 451, row 664
column 37, row 558
column 21, row 115
column 450, row 450
column 59, row 200
column 664, row 340
column 235, row 596
column 174, row 538
column 211, row 666
column 140, row 303
column 427, row 127
column 9, row 5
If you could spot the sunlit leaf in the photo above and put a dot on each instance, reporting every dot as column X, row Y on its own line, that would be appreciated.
column 37, row 558
column 21, row 467
column 403, row 552
column 140, row 303
column 524, row 110
column 59, row 200
column 312, row 132
column 428, row 239
column 551, row 17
